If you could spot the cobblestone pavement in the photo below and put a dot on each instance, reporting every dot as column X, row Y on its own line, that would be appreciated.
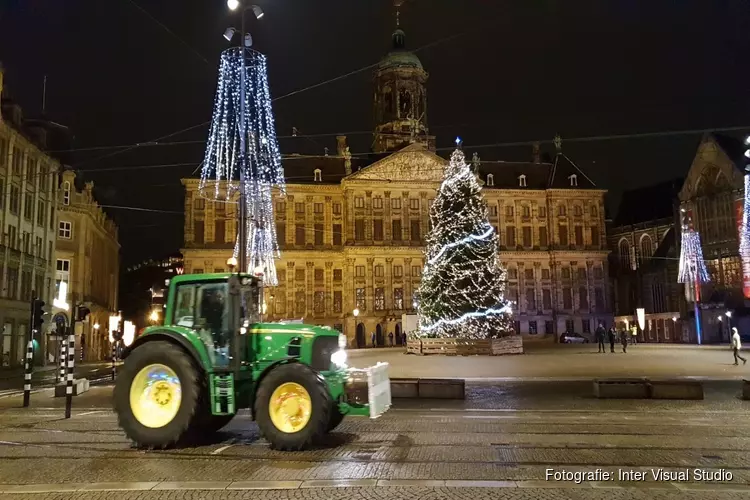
column 543, row 360
column 498, row 443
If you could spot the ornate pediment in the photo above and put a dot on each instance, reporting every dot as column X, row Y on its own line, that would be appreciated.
column 413, row 163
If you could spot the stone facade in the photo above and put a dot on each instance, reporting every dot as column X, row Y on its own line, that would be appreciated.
column 28, row 222
column 87, row 259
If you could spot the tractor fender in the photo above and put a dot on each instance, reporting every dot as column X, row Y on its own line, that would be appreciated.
column 265, row 372
column 172, row 338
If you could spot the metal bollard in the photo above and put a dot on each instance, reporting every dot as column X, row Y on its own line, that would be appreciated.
column 114, row 357
column 63, row 356
column 71, row 367
column 27, row 373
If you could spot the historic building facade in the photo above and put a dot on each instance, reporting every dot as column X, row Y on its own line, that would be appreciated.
column 28, row 189
column 352, row 230
column 87, row 260
column 712, row 196
column 644, row 264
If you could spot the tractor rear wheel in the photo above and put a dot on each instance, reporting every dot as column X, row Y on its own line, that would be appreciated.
column 156, row 396
column 293, row 407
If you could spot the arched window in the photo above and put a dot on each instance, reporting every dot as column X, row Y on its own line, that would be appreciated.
column 490, row 180
column 573, row 180
column 647, row 249
column 624, row 253
column 66, row 193
column 318, row 175
column 522, row 181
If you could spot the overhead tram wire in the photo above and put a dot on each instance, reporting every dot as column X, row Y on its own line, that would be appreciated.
column 290, row 94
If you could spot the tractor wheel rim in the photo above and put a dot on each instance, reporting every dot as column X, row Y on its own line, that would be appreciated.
column 290, row 407
column 155, row 396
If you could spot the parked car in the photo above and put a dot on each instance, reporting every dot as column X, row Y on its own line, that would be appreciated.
column 574, row 338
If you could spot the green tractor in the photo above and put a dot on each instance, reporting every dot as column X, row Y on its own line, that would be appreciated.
column 213, row 356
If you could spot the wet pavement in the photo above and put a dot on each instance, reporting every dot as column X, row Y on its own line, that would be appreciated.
column 499, row 443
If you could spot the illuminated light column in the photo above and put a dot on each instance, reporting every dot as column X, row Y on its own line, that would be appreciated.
column 242, row 157
column 744, row 226
column 692, row 269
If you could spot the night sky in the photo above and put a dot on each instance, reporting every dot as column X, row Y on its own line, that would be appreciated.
column 129, row 71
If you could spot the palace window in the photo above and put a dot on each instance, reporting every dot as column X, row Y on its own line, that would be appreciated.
column 396, row 203
column 359, row 202
column 398, row 298
column 66, row 195
column 317, row 175
column 65, row 230
column 377, row 202
column 379, row 299
column 490, row 180
column 522, row 181
column 573, row 180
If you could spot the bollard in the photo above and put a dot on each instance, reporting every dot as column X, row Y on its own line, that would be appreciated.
column 63, row 356
column 114, row 356
column 71, row 366
column 27, row 374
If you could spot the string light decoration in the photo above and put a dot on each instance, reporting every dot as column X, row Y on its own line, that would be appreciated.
column 462, row 293
column 692, row 267
column 229, row 168
column 745, row 229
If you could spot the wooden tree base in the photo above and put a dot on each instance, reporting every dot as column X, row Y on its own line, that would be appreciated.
column 512, row 344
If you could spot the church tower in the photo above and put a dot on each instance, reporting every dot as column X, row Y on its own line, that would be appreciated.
column 400, row 102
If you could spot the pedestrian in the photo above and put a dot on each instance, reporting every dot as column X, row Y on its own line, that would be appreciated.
column 635, row 335
column 600, row 334
column 373, row 338
column 612, row 338
column 390, row 338
column 624, row 339
column 736, row 346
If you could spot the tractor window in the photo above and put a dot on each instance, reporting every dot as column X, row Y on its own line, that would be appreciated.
column 212, row 320
column 185, row 308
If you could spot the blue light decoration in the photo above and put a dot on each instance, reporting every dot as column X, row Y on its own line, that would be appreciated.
column 745, row 229
column 257, row 170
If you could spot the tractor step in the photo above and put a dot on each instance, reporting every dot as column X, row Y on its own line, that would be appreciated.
column 222, row 394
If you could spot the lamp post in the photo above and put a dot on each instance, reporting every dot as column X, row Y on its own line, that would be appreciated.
column 245, row 42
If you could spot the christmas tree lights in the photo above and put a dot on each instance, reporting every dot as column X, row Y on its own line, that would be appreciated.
column 242, row 154
column 462, row 293
column 745, row 229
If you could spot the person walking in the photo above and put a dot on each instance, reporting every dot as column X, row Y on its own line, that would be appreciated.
column 372, row 337
column 390, row 338
column 624, row 339
column 736, row 346
column 600, row 334
column 612, row 338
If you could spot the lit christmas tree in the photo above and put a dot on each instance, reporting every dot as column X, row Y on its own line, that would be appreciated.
column 462, row 294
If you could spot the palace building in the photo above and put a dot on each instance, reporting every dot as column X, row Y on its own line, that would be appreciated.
column 352, row 227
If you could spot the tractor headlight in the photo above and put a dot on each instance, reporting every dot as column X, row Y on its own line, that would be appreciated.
column 338, row 358
column 342, row 341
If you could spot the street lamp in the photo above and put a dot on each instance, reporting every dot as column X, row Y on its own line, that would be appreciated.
column 231, row 264
column 154, row 316
column 96, row 326
column 355, row 312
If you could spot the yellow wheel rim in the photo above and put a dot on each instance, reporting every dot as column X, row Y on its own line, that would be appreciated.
column 290, row 407
column 155, row 396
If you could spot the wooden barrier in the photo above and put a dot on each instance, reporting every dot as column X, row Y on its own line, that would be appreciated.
column 439, row 346
column 414, row 346
column 512, row 344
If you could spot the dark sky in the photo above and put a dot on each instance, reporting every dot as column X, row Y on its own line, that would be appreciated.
column 505, row 71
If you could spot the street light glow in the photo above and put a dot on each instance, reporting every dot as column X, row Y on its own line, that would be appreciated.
column 233, row 4
column 154, row 316
column 355, row 312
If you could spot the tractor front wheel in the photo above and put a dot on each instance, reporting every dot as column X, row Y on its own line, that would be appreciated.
column 293, row 407
column 156, row 395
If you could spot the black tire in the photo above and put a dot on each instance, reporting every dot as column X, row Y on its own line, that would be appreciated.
column 336, row 417
column 214, row 423
column 320, row 417
column 165, row 353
